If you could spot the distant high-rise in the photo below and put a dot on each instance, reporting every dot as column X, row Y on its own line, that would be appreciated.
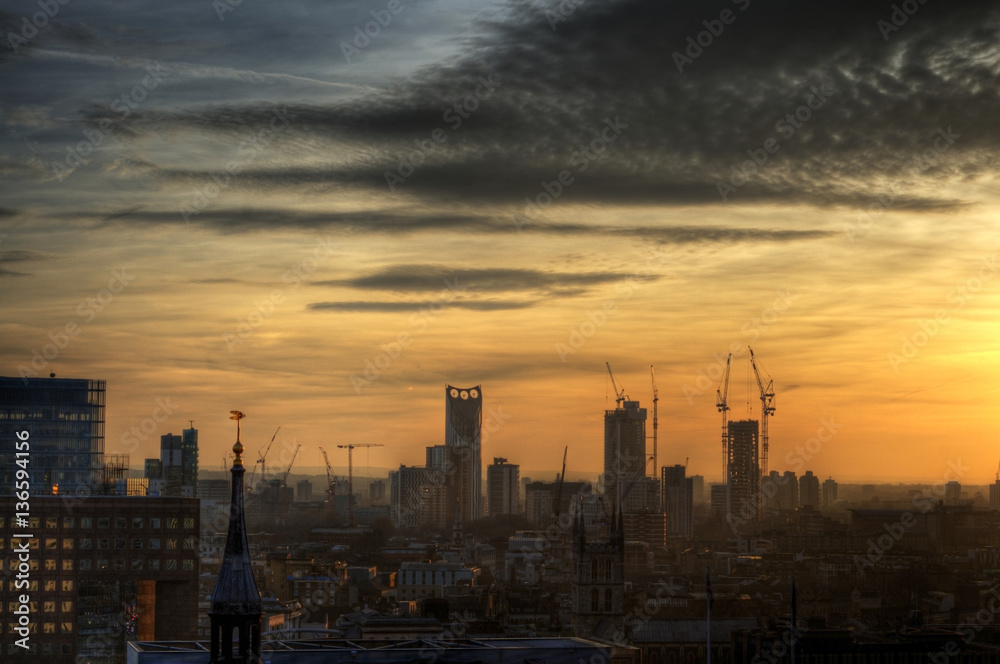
column 625, row 455
column 179, row 464
column 303, row 491
column 952, row 493
column 189, row 462
column 419, row 496
column 809, row 490
column 995, row 495
column 462, row 428
column 64, row 419
column 678, row 498
column 787, row 497
column 698, row 488
column 829, row 492
column 502, row 486
column 743, row 469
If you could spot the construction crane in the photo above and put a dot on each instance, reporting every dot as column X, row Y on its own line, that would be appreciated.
column 656, row 424
column 562, row 478
column 721, row 403
column 261, row 461
column 350, row 476
column 331, row 482
column 284, row 478
column 620, row 396
column 766, row 410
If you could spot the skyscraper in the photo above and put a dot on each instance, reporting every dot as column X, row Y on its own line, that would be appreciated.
column 678, row 498
column 809, row 490
column 179, row 462
column 502, row 485
column 624, row 455
column 462, row 428
column 829, row 492
column 64, row 419
column 744, row 469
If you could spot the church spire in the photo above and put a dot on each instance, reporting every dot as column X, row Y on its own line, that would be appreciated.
column 236, row 600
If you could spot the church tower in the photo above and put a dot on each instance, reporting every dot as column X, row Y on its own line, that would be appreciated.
column 236, row 606
column 598, row 581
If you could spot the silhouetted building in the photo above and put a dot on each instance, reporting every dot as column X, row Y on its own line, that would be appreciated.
column 829, row 492
column 624, row 455
column 809, row 490
column 678, row 500
column 598, row 594
column 64, row 419
column 698, row 488
column 463, row 424
column 376, row 492
column 743, row 469
column 419, row 497
column 995, row 496
column 540, row 500
column 502, row 486
column 952, row 493
column 303, row 491
column 236, row 606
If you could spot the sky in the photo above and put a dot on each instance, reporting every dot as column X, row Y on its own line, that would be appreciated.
column 321, row 213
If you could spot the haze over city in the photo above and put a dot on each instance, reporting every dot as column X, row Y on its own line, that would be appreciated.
column 244, row 205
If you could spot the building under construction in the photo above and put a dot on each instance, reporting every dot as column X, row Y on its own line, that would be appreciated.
column 743, row 470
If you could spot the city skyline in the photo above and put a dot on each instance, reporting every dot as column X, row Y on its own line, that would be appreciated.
column 218, row 206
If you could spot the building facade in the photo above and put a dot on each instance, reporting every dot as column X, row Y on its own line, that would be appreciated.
column 502, row 486
column 598, row 585
column 102, row 569
column 809, row 493
column 463, row 428
column 64, row 419
column 624, row 455
column 678, row 500
column 743, row 470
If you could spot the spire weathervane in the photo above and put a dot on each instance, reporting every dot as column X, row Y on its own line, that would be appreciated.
column 238, row 447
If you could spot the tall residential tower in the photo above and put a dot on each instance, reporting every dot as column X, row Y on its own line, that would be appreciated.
column 462, row 428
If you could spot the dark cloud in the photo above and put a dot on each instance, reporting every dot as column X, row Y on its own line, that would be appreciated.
column 879, row 98
column 21, row 256
column 415, row 221
column 394, row 307
column 454, row 281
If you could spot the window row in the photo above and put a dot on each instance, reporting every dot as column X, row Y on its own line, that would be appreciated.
column 120, row 522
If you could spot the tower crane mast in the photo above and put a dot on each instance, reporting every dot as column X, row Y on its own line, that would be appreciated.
column 766, row 410
column 350, row 476
column 721, row 403
column 656, row 423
